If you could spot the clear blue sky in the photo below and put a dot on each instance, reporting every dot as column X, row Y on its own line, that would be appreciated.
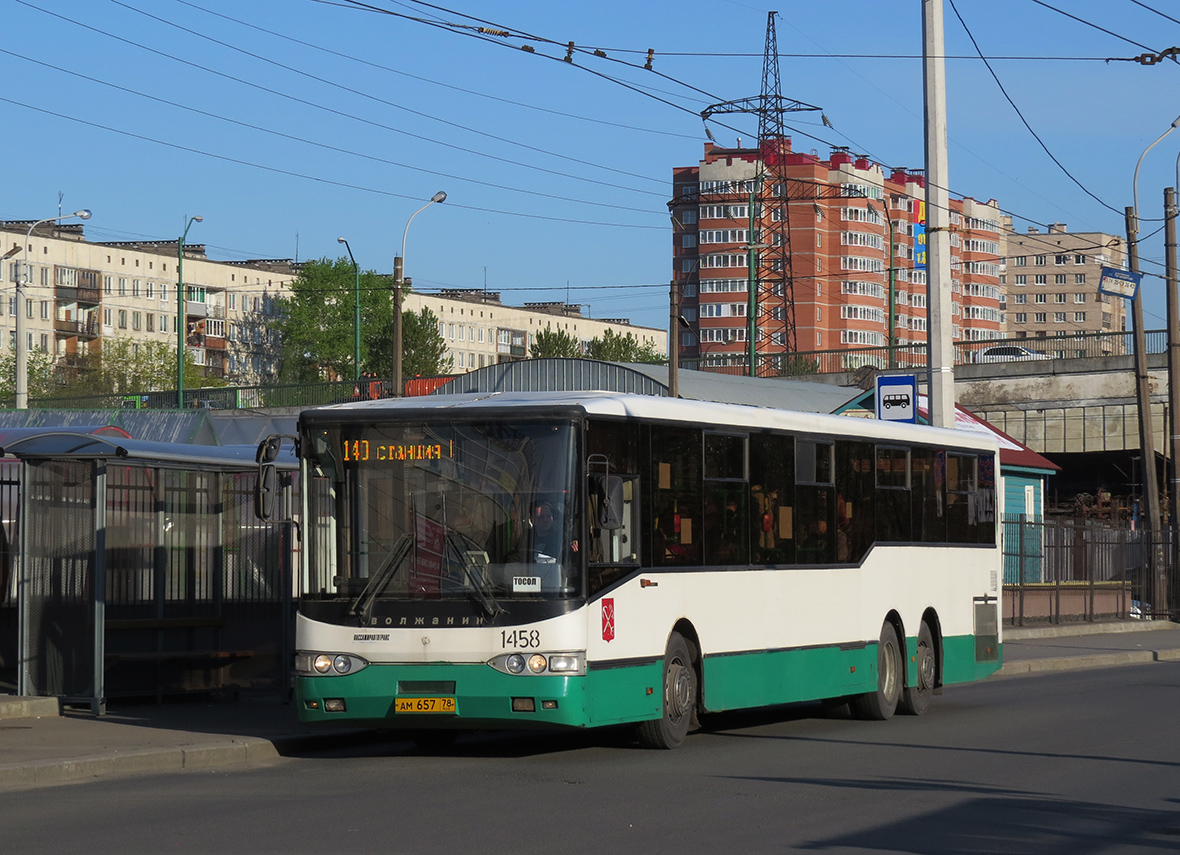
column 294, row 122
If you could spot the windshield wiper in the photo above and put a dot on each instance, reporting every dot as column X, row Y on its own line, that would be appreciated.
column 479, row 586
column 364, row 601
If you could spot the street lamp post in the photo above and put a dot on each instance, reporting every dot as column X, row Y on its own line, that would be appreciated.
column 398, row 280
column 22, row 350
column 356, row 318
column 181, row 323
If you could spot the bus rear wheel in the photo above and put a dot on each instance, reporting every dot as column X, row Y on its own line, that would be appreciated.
column 915, row 700
column 680, row 698
column 881, row 704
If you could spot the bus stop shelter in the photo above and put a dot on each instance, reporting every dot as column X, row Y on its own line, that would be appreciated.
column 138, row 568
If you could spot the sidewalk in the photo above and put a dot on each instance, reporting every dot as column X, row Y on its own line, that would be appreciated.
column 39, row 746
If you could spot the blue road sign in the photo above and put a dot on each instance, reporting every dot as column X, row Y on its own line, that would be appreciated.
column 897, row 398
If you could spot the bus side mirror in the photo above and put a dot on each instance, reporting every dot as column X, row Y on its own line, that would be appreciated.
column 608, row 490
column 267, row 483
column 268, row 449
column 264, row 491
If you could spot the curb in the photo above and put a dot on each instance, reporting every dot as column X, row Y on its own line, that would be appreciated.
column 16, row 706
column 238, row 752
column 1078, row 663
column 1021, row 633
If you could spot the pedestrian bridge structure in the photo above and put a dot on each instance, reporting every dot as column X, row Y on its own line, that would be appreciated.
column 1066, row 406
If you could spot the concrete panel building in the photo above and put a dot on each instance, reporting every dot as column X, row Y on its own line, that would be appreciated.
column 1051, row 287
column 79, row 293
column 480, row 330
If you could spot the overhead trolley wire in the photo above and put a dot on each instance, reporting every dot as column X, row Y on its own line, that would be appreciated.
column 1023, row 120
column 439, row 83
column 419, row 113
column 314, row 178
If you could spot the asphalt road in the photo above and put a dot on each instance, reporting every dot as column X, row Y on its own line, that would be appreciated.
column 1079, row 763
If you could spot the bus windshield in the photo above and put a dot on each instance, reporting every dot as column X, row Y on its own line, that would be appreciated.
column 412, row 511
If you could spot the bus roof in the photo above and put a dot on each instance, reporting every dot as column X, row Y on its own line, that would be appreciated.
column 648, row 408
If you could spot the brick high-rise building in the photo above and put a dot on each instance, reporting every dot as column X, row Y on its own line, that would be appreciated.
column 848, row 223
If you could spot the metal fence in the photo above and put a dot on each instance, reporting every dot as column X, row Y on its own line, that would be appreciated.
column 1062, row 572
column 223, row 397
column 802, row 363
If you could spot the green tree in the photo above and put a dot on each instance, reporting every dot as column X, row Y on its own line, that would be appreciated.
column 613, row 347
column 317, row 321
column 42, row 382
column 553, row 344
column 424, row 350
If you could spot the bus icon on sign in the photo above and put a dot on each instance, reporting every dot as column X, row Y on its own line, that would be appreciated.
column 889, row 401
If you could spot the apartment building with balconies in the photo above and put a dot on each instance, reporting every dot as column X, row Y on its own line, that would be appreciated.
column 479, row 330
column 853, row 235
column 78, row 293
column 1051, row 288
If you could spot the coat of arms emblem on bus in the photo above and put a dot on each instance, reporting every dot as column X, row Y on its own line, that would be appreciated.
column 608, row 619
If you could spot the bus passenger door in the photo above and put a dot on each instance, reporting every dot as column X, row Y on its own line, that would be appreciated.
column 614, row 523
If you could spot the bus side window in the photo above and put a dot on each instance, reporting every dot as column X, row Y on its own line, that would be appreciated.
column 893, row 502
column 675, row 455
column 815, row 503
column 726, row 526
column 772, row 499
column 961, row 508
column 855, row 508
column 985, row 499
column 929, row 513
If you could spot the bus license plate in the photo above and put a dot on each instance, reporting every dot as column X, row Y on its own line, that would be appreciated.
column 424, row 705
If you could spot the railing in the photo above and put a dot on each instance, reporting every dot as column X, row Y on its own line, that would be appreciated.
column 914, row 355
column 224, row 397
column 1061, row 572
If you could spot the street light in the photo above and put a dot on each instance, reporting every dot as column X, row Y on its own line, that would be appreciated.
column 356, row 319
column 1142, row 388
column 181, row 313
column 22, row 351
column 398, row 279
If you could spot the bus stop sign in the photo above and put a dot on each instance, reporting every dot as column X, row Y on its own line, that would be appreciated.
column 897, row 398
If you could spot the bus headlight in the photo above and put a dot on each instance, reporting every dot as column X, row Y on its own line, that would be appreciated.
column 566, row 664
column 327, row 663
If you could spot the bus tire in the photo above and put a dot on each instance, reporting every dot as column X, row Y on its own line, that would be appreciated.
column 679, row 701
column 915, row 700
column 881, row 704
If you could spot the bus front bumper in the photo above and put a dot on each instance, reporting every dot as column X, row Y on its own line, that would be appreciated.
column 436, row 696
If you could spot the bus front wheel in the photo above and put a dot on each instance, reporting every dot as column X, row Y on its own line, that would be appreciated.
column 880, row 705
column 680, row 698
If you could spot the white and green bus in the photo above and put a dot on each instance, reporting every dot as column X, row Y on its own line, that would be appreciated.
column 583, row 559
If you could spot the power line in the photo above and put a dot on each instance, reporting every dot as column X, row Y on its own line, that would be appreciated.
column 1156, row 11
column 293, row 174
column 319, row 106
column 325, row 146
column 438, row 83
column 1020, row 115
column 1091, row 24
column 366, row 95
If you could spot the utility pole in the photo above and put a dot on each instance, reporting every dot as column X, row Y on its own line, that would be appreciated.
column 1173, row 370
column 941, row 357
column 1151, row 497
column 674, row 341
